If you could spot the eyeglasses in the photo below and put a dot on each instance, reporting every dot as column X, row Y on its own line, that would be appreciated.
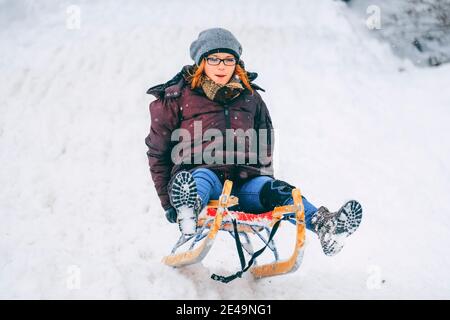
column 216, row 61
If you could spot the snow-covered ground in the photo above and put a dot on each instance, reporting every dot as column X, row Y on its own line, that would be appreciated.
column 80, row 217
column 416, row 29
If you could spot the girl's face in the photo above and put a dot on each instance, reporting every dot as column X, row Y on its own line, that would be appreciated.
column 223, row 71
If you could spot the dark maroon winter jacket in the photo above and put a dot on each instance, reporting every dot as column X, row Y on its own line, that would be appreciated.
column 178, row 106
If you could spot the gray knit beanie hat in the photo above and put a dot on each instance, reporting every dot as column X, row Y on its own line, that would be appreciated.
column 214, row 40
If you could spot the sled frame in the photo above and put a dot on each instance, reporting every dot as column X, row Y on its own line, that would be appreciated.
column 209, row 227
column 195, row 255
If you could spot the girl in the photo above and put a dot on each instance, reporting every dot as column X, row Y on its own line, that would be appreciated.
column 216, row 98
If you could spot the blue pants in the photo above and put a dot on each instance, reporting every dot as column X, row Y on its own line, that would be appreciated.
column 209, row 187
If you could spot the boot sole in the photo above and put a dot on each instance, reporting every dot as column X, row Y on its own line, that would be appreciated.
column 349, row 219
column 183, row 196
column 183, row 190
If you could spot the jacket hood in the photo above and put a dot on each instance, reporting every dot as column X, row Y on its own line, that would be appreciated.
column 172, row 88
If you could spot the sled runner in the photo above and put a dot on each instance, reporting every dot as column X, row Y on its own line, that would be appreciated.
column 219, row 216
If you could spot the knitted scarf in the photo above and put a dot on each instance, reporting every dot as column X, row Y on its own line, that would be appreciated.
column 221, row 93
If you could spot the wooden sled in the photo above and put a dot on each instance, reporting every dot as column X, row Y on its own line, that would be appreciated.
column 219, row 217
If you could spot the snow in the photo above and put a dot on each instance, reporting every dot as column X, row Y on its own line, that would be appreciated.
column 80, row 216
column 417, row 29
column 187, row 220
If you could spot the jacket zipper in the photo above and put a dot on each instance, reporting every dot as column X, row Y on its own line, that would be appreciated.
column 227, row 116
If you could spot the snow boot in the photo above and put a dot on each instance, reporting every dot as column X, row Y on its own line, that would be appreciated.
column 185, row 200
column 333, row 227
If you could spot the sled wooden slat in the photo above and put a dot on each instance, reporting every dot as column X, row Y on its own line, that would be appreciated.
column 291, row 264
column 197, row 254
column 215, row 203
